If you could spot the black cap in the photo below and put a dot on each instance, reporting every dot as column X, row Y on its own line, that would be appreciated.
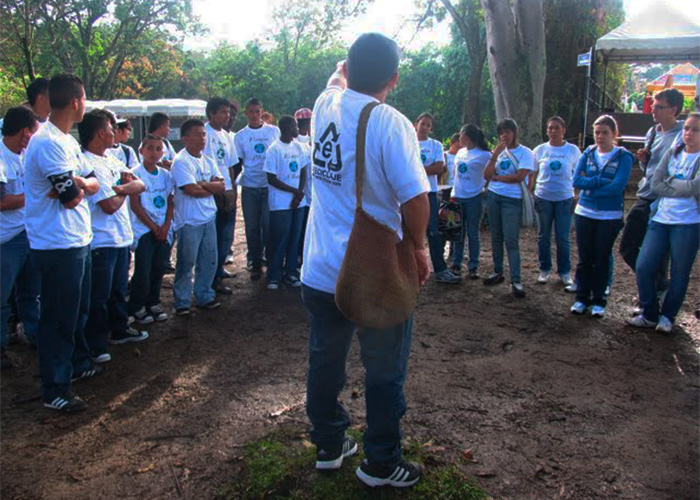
column 372, row 60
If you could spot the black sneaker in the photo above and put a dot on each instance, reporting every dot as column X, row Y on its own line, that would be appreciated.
column 130, row 335
column 100, row 355
column 183, row 311
column 256, row 274
column 143, row 317
column 456, row 270
column 493, row 279
column 332, row 460
column 5, row 361
column 157, row 312
column 69, row 403
column 474, row 274
column 89, row 373
column 221, row 289
column 402, row 476
column 518, row 289
column 214, row 304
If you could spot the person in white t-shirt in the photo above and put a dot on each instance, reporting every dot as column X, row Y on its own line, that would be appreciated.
column 151, row 221
column 17, row 269
column 120, row 150
column 159, row 124
column 674, row 228
column 57, row 218
column 433, row 159
column 303, row 117
column 286, row 164
column 221, row 147
column 196, row 179
column 395, row 184
column 555, row 162
column 112, row 237
column 251, row 144
column 508, row 167
column 469, row 165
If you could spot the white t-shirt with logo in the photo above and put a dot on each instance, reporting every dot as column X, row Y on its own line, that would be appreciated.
column 450, row 163
column 221, row 147
column 555, row 167
column 12, row 176
column 394, row 175
column 110, row 231
column 679, row 210
column 286, row 161
column 119, row 153
column 252, row 145
column 50, row 225
column 431, row 152
column 505, row 166
column 154, row 200
column 469, row 172
column 188, row 169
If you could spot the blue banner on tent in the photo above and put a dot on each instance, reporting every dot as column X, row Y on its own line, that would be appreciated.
column 584, row 59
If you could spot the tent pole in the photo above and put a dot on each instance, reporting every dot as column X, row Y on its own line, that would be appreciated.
column 605, row 82
column 586, row 97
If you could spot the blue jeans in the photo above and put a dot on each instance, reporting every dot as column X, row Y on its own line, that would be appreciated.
column 17, row 270
column 435, row 239
column 681, row 241
column 505, row 215
column 384, row 355
column 151, row 260
column 471, row 219
column 225, row 226
column 557, row 213
column 285, row 231
column 256, row 218
column 595, row 239
column 108, row 310
column 196, row 248
column 65, row 303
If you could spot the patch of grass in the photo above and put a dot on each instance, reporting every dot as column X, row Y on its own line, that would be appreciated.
column 281, row 466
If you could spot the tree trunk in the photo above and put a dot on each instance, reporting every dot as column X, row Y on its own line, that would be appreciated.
column 517, row 64
column 472, row 105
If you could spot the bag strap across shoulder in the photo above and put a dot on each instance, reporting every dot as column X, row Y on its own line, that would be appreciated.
column 360, row 150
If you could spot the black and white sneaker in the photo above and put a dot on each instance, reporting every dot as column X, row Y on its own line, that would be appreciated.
column 332, row 460
column 142, row 317
column 89, row 373
column 158, row 312
column 100, row 355
column 183, row 311
column 130, row 335
column 214, row 304
column 404, row 475
column 70, row 403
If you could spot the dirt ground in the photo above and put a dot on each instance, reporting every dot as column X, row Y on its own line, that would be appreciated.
column 552, row 406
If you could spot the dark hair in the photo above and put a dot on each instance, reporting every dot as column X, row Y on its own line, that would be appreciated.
column 38, row 87
column 373, row 59
column 476, row 135
column 673, row 97
column 150, row 137
column 215, row 104
column 425, row 115
column 17, row 119
column 681, row 146
column 253, row 101
column 156, row 121
column 556, row 119
column 286, row 122
column 608, row 121
column 92, row 123
column 303, row 122
column 123, row 124
column 63, row 88
column 507, row 124
column 189, row 125
column 454, row 138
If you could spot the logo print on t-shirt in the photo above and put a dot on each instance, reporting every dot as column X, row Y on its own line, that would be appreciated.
column 555, row 165
column 293, row 166
column 505, row 165
column 423, row 158
column 327, row 157
column 259, row 148
column 220, row 153
column 159, row 202
column 462, row 168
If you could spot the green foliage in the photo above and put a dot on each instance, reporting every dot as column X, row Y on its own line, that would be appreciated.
column 10, row 94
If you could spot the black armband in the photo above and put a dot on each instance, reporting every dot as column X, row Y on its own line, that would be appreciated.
column 66, row 187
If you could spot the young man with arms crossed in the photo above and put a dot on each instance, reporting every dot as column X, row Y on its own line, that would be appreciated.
column 396, row 184
column 17, row 269
column 57, row 180
column 251, row 144
column 196, row 180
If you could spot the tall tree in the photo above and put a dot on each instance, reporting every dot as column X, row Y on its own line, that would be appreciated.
column 18, row 41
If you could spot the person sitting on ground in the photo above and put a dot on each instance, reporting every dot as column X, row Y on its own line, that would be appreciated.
column 151, row 220
column 121, row 150
column 196, row 180
column 159, row 124
column 286, row 164
column 601, row 174
column 508, row 167
column 674, row 228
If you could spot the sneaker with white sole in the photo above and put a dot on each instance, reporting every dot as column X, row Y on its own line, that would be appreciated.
column 518, row 289
column 292, row 281
column 641, row 322
column 142, row 317
column 158, row 312
column 402, row 476
column 598, row 311
column 493, row 279
column 446, row 276
column 333, row 459
column 70, row 403
column 130, row 335
column 572, row 288
column 665, row 325
column 100, row 355
column 543, row 278
column 273, row 285
column 578, row 308
column 89, row 373
column 566, row 279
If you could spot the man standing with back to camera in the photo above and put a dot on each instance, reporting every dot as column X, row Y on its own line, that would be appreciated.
column 395, row 184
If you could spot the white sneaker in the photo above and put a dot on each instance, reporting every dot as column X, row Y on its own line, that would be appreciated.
column 641, row 322
column 543, row 277
column 597, row 311
column 665, row 325
column 608, row 289
column 578, row 308
column 570, row 288
column 566, row 279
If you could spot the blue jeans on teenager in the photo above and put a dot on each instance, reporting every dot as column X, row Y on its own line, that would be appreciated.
column 595, row 239
column 17, row 270
column 435, row 239
column 557, row 213
column 505, row 215
column 384, row 354
column 151, row 260
column 285, row 231
column 256, row 218
column 65, row 304
column 196, row 248
column 108, row 308
column 471, row 219
column 681, row 241
column 225, row 227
